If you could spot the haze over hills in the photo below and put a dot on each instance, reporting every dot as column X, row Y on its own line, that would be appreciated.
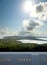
column 39, row 38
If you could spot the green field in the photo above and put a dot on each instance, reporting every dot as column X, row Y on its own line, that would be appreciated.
column 14, row 45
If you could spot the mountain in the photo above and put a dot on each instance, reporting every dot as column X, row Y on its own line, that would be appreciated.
column 26, row 38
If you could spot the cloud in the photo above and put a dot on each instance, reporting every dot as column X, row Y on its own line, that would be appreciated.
column 43, row 33
column 30, row 25
column 25, row 33
column 39, row 11
column 37, row 15
column 39, row 8
column 6, row 32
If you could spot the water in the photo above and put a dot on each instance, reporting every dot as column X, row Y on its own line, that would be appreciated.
column 23, row 58
column 35, row 41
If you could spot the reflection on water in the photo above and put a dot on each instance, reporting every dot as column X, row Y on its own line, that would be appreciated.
column 34, row 41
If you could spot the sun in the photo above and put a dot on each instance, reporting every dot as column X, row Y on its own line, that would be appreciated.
column 27, row 6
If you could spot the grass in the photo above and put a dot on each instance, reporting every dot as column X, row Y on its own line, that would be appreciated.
column 14, row 45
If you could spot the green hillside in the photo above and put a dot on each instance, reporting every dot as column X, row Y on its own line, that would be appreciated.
column 14, row 45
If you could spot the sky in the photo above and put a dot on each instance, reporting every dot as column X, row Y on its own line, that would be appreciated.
column 23, row 18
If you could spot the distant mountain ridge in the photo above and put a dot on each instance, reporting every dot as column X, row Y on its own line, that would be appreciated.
column 26, row 38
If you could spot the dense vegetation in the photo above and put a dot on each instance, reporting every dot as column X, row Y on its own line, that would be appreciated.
column 13, row 45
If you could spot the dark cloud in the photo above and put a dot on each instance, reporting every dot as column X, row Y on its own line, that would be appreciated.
column 30, row 25
column 39, row 8
column 23, row 32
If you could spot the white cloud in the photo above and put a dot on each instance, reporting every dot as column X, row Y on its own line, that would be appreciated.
column 39, row 11
column 6, row 32
column 31, row 26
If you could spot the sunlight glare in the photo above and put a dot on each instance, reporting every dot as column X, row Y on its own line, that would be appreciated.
column 27, row 6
